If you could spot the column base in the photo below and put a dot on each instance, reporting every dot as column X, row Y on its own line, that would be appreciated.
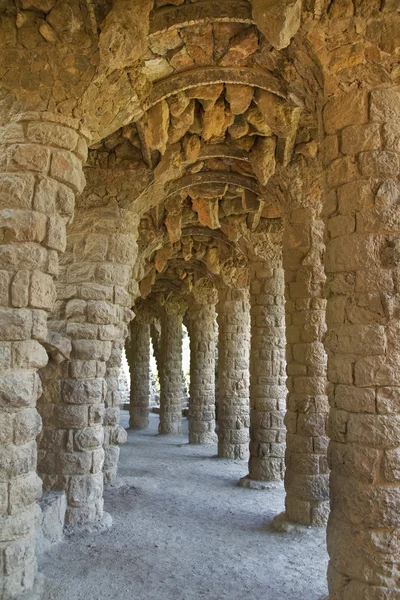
column 37, row 592
column 170, row 426
column 138, row 423
column 254, row 484
column 282, row 524
column 204, row 439
column 139, row 419
column 100, row 526
column 307, row 513
column 233, row 451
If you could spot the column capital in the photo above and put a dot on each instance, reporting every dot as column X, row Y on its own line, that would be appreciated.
column 204, row 292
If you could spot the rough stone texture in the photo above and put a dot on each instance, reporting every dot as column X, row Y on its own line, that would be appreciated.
column 267, row 373
column 202, row 332
column 362, row 342
column 204, row 138
column 233, row 372
column 40, row 172
column 138, row 355
column 114, row 434
column 80, row 402
column 171, row 369
column 50, row 521
column 307, row 473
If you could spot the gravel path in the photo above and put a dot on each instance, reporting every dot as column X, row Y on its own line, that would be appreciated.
column 183, row 530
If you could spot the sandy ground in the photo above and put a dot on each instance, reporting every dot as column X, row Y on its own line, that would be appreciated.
column 183, row 530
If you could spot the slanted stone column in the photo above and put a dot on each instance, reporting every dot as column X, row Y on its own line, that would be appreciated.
column 233, row 372
column 363, row 342
column 267, row 374
column 138, row 354
column 114, row 433
column 171, row 367
column 40, row 173
column 202, row 333
column 307, row 473
column 80, row 411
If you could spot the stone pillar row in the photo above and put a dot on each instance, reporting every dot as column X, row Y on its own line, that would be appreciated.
column 40, row 173
column 138, row 356
column 80, row 402
column 362, row 158
column 202, row 333
column 267, row 374
column 233, row 372
column 171, row 366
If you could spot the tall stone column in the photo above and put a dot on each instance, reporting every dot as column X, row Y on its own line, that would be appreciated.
column 267, row 374
column 202, row 333
column 40, row 173
column 233, row 372
column 307, row 473
column 138, row 354
column 80, row 405
column 362, row 264
column 114, row 433
column 171, row 369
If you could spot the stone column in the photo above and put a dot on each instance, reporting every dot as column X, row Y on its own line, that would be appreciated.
column 307, row 473
column 171, row 367
column 267, row 374
column 138, row 354
column 233, row 372
column 40, row 173
column 202, row 330
column 114, row 433
column 80, row 412
column 362, row 264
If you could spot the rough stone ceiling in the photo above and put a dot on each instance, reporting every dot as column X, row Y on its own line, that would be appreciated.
column 218, row 123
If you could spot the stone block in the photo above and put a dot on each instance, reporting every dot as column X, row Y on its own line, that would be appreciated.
column 16, row 190
column 23, row 492
column 29, row 354
column 102, row 312
column 67, row 168
column 83, row 391
column 355, row 196
column 42, row 293
column 350, row 108
column 56, row 233
column 50, row 523
column 19, row 390
column 45, row 195
column 52, row 134
column 20, row 289
column 71, row 416
column 74, row 463
column 340, row 171
column 91, row 350
column 360, row 138
column 385, row 105
column 84, row 490
column 16, row 461
column 22, row 225
column 379, row 163
column 28, row 157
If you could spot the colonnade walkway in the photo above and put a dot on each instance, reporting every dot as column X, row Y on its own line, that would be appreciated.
column 183, row 530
